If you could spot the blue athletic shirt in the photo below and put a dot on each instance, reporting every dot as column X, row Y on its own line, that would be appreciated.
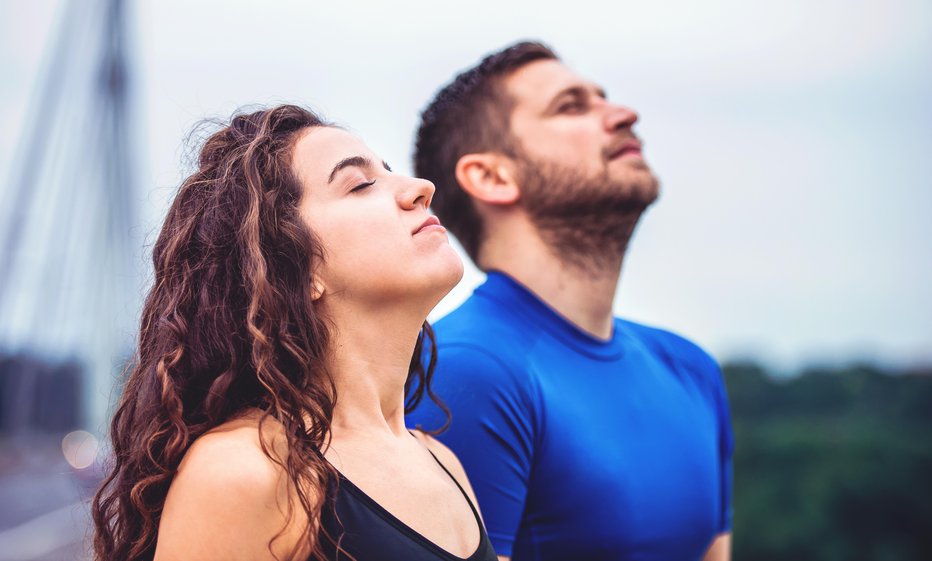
column 579, row 448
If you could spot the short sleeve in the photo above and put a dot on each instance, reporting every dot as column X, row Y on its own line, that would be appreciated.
column 714, row 381
column 491, row 432
column 726, row 441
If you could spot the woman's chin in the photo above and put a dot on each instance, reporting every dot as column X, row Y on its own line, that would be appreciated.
column 454, row 269
column 444, row 278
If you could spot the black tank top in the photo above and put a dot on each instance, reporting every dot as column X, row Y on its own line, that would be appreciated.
column 371, row 533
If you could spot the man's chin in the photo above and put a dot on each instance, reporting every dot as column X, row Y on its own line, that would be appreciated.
column 634, row 162
column 641, row 186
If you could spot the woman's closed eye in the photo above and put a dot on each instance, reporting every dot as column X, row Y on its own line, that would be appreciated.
column 362, row 186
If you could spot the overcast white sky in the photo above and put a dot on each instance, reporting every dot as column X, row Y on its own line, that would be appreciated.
column 792, row 138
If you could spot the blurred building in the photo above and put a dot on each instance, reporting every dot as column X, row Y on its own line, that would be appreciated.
column 68, row 282
column 67, row 278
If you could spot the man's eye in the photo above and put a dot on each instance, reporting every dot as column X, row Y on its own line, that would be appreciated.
column 362, row 186
column 571, row 107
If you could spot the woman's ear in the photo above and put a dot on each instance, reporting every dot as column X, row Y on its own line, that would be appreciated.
column 488, row 177
column 317, row 289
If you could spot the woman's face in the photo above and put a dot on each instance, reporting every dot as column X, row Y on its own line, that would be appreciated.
column 380, row 243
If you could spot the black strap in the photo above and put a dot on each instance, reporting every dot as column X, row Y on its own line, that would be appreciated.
column 455, row 482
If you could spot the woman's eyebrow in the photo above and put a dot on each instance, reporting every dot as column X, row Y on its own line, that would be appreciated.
column 352, row 161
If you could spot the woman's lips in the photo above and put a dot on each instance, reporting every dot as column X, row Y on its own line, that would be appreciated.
column 432, row 224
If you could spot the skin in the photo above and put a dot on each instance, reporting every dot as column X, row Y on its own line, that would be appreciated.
column 563, row 118
column 559, row 117
column 377, row 284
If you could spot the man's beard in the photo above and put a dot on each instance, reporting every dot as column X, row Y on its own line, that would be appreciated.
column 586, row 221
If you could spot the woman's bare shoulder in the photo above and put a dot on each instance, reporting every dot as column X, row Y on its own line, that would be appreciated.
column 233, row 452
column 440, row 450
column 449, row 461
column 228, row 498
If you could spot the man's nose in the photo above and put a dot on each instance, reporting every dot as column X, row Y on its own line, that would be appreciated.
column 619, row 117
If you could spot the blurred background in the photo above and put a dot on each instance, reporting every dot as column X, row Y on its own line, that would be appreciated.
column 792, row 239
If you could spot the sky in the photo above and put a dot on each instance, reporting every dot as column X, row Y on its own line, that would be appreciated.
column 792, row 139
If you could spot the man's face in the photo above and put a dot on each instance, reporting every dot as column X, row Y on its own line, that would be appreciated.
column 563, row 120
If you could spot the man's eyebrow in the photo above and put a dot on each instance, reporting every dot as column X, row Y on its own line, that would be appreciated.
column 352, row 161
column 579, row 91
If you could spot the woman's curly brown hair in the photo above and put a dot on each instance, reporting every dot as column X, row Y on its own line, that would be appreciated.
column 229, row 325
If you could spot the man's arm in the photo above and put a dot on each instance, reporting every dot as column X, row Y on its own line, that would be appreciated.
column 720, row 550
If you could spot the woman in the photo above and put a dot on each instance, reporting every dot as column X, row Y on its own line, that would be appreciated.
column 264, row 415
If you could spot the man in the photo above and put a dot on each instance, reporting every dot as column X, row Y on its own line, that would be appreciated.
column 585, row 436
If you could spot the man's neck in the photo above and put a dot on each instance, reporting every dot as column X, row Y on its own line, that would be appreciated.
column 584, row 296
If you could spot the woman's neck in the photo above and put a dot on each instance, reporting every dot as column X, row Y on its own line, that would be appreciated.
column 369, row 359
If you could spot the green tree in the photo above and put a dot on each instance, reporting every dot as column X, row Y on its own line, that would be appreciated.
column 832, row 464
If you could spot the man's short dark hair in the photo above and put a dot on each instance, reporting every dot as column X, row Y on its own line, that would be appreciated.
column 469, row 115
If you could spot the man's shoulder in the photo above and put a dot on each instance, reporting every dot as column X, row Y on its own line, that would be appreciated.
column 481, row 321
column 669, row 345
column 480, row 345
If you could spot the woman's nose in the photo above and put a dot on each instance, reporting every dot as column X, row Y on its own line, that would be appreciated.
column 416, row 192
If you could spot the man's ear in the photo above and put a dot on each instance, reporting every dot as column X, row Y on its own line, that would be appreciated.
column 488, row 177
